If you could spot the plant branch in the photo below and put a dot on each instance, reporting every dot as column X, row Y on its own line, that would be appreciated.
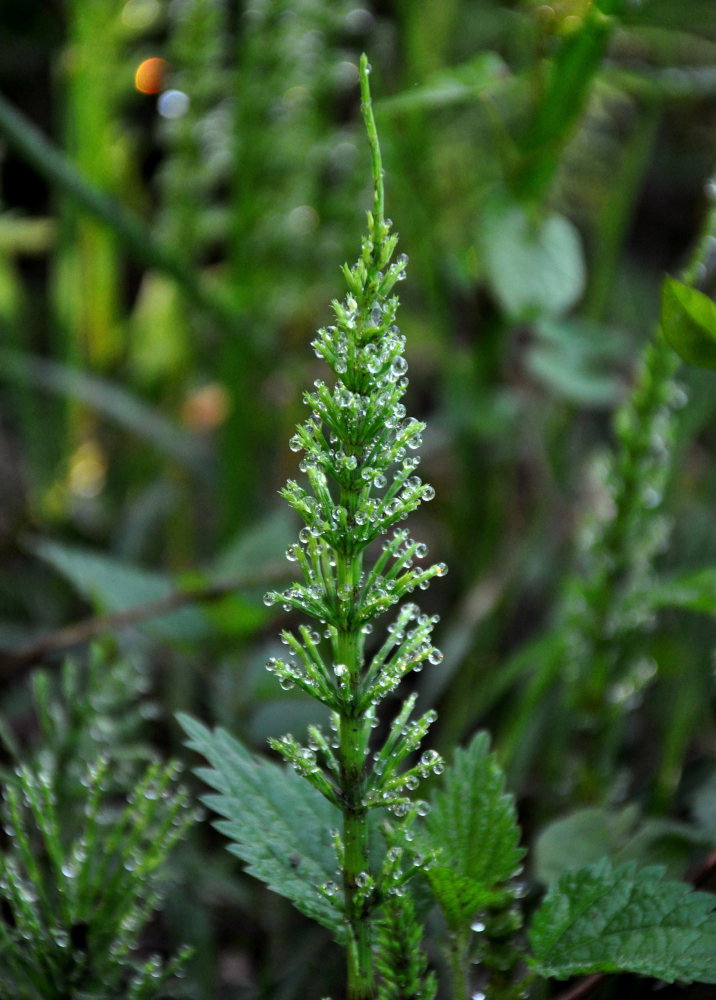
column 14, row 663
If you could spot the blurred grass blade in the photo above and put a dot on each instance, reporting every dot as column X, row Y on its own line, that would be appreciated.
column 43, row 157
column 111, row 401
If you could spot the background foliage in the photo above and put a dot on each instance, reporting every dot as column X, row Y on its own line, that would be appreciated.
column 163, row 268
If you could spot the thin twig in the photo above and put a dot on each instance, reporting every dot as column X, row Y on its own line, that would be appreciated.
column 583, row 988
column 16, row 662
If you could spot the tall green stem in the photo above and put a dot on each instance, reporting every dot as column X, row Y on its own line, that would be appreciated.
column 353, row 750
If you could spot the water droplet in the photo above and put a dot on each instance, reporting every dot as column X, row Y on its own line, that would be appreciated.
column 269, row 600
column 295, row 443
column 477, row 926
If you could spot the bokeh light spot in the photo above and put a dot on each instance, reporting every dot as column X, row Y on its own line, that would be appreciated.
column 149, row 75
column 172, row 104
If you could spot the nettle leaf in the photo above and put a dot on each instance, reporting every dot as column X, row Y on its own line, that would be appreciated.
column 688, row 321
column 535, row 267
column 278, row 823
column 604, row 919
column 473, row 826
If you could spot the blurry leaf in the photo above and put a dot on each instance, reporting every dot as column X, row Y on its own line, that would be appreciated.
column 456, row 85
column 236, row 616
column 688, row 321
column 580, row 839
column 24, row 235
column 114, row 586
column 601, row 919
column 565, row 376
column 159, row 343
column 534, row 267
column 473, row 826
column 262, row 542
column 278, row 823
column 693, row 591
column 586, row 836
column 111, row 401
column 703, row 806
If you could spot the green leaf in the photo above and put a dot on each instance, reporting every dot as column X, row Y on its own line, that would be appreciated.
column 535, row 267
column 454, row 85
column 688, row 322
column 601, row 919
column 115, row 586
column 586, row 836
column 111, row 401
column 473, row 826
column 578, row 359
column 692, row 591
column 278, row 823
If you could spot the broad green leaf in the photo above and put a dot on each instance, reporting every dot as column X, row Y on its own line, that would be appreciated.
column 535, row 267
column 279, row 825
column 114, row 586
column 586, row 836
column 473, row 826
column 601, row 919
column 688, row 322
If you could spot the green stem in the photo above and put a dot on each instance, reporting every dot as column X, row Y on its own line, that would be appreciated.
column 458, row 966
column 353, row 750
column 376, row 161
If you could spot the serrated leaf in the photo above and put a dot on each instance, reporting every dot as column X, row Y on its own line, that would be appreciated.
column 601, row 919
column 114, row 586
column 688, row 322
column 278, row 823
column 535, row 268
column 473, row 825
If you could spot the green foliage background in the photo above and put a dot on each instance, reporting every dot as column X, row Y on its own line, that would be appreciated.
column 160, row 282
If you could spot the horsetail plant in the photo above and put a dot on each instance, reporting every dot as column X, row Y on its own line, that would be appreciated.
column 360, row 461
column 357, row 448
column 339, row 832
